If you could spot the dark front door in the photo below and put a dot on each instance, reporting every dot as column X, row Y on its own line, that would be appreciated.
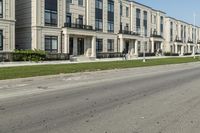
column 80, row 46
column 155, row 47
column 127, row 46
column 71, row 46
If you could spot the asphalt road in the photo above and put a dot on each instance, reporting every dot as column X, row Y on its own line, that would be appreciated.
column 162, row 99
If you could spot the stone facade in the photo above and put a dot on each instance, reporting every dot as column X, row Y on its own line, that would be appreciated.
column 93, row 27
column 7, row 26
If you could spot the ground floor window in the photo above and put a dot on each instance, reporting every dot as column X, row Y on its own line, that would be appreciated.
column 99, row 45
column 1, row 40
column 51, row 43
column 110, row 45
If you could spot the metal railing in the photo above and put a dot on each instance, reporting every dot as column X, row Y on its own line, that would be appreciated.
column 128, row 32
column 78, row 26
column 157, row 36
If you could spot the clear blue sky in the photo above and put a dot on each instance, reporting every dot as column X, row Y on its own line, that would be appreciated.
column 180, row 9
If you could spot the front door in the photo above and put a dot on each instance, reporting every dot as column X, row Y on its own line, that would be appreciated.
column 127, row 46
column 71, row 46
column 80, row 46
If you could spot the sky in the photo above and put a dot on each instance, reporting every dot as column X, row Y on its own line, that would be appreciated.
column 179, row 9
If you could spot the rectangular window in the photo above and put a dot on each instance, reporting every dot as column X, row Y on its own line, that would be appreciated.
column 51, row 13
column 161, row 25
column 69, row 19
column 127, row 11
column 80, row 2
column 121, row 10
column 145, row 23
column 110, row 16
column 51, row 44
column 110, row 45
column 99, row 45
column 1, row 8
column 138, row 16
column 1, row 40
column 99, row 15
column 79, row 21
column 69, row 1
column 171, row 31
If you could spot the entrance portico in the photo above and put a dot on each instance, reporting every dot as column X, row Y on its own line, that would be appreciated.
column 79, row 42
column 156, row 44
column 129, row 43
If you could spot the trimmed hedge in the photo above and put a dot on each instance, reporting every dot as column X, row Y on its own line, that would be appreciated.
column 187, row 54
column 146, row 54
column 29, row 55
column 170, row 54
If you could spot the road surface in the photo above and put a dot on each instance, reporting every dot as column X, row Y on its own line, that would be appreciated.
column 161, row 99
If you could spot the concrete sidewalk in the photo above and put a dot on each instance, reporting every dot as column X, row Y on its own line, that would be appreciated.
column 15, row 64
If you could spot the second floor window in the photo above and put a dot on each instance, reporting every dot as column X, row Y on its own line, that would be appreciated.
column 138, row 15
column 80, row 2
column 171, row 31
column 161, row 25
column 99, row 15
column 127, row 11
column 51, row 13
column 1, row 40
column 1, row 8
column 110, row 16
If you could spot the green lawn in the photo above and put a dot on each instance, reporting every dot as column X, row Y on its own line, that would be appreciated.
column 41, row 70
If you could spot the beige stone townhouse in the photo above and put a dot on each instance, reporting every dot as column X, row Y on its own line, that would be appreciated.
column 7, row 25
column 100, row 28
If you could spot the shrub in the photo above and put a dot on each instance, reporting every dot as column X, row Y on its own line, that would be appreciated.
column 29, row 55
column 146, row 54
column 170, row 54
column 187, row 54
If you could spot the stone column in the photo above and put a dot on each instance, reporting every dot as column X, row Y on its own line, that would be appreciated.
column 176, row 48
column 66, row 44
column 182, row 50
column 136, row 48
column 188, row 48
column 75, row 47
column 93, row 47
column 152, row 46
column 193, row 50
column 161, row 46
column 121, row 45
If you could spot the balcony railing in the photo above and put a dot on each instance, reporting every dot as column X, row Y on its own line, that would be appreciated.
column 178, row 40
column 128, row 32
column 190, row 41
column 78, row 26
column 155, row 35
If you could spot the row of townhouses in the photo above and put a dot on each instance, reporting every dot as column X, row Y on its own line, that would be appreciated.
column 91, row 27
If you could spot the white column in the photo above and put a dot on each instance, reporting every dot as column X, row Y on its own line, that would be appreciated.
column 193, row 50
column 162, row 46
column 93, row 47
column 189, row 48
column 176, row 48
column 121, row 44
column 66, row 44
column 75, row 46
column 136, row 47
column 182, row 50
column 87, row 12
column 152, row 46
